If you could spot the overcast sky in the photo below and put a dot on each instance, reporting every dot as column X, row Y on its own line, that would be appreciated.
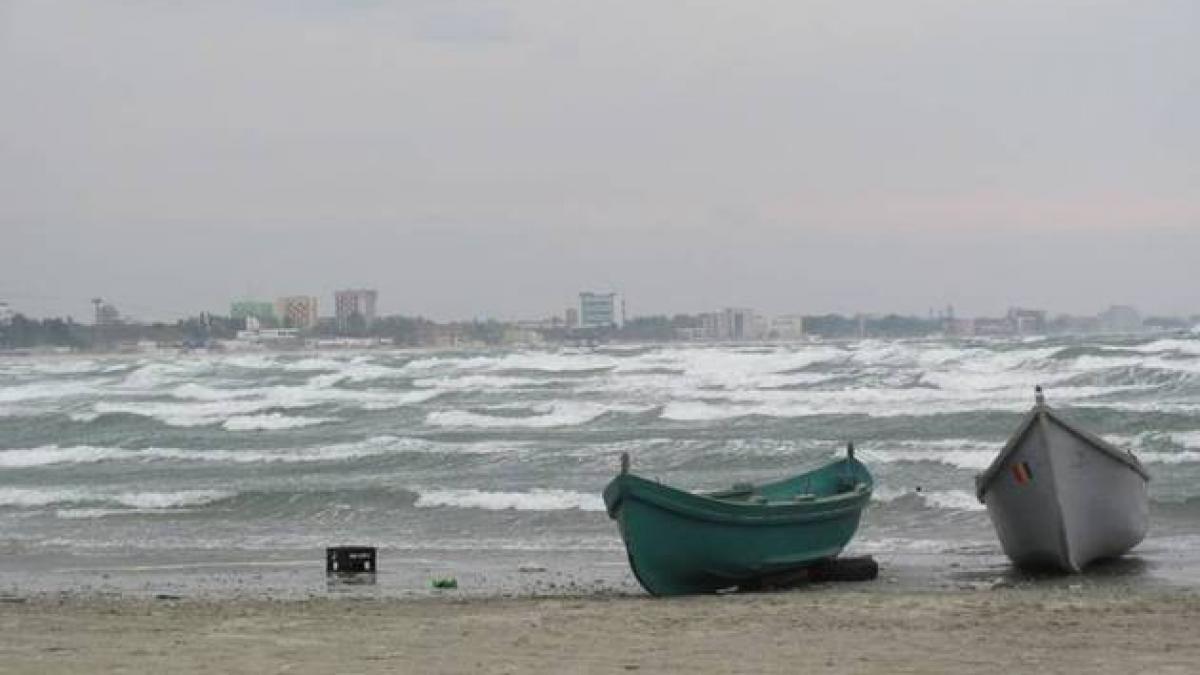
column 475, row 158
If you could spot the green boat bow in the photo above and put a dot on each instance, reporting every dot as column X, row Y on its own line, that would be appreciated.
column 681, row 542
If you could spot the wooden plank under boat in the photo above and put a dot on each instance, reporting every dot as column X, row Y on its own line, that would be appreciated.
column 681, row 542
column 1061, row 497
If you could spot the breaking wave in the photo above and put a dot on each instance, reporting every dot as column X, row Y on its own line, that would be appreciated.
column 44, row 456
column 271, row 422
column 371, row 447
column 212, row 408
column 952, row 500
column 36, row 497
column 556, row 414
column 534, row 500
column 270, row 449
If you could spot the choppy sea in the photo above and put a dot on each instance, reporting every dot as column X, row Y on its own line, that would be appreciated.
column 220, row 471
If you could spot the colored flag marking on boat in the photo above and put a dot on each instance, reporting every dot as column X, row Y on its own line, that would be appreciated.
column 1022, row 473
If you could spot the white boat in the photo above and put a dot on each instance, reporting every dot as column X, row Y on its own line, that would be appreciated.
column 1061, row 497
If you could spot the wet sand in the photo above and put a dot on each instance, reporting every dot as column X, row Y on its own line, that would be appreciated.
column 823, row 629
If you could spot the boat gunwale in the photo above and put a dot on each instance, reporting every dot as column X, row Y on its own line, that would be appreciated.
column 704, row 508
column 984, row 479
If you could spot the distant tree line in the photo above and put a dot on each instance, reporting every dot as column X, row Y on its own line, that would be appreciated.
column 656, row 328
column 22, row 332
column 833, row 326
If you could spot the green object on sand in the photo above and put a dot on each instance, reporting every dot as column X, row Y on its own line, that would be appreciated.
column 448, row 582
column 680, row 542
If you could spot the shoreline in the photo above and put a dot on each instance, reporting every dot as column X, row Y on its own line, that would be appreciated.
column 822, row 628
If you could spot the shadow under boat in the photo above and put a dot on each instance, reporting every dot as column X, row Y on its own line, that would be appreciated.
column 1109, row 571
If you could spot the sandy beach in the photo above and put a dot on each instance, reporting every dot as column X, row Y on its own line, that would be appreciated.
column 812, row 630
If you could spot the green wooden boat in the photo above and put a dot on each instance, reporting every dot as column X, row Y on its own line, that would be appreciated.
column 680, row 542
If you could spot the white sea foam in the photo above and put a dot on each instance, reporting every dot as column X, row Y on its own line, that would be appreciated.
column 302, row 541
column 371, row 447
column 558, row 543
column 534, row 500
column 698, row 411
column 250, row 361
column 152, row 375
column 32, row 497
column 59, row 390
column 212, row 408
column 957, row 452
column 484, row 382
column 888, row 545
column 712, row 368
column 1152, row 440
column 167, row 500
column 313, row 364
column 1187, row 439
column 953, row 500
column 46, row 496
column 545, row 415
column 188, row 414
column 978, row 455
column 548, row 362
column 52, row 454
column 299, row 397
column 1185, row 457
column 65, row 367
column 875, row 402
column 958, row 500
column 61, row 366
column 200, row 392
column 271, row 422
column 88, row 513
column 355, row 371
column 1190, row 347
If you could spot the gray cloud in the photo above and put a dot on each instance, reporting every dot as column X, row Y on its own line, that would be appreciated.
column 487, row 158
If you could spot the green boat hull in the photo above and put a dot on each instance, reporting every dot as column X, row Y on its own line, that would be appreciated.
column 683, row 543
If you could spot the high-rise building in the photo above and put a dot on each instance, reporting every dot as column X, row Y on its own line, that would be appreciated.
column 601, row 310
column 297, row 311
column 572, row 317
column 736, row 323
column 733, row 323
column 354, row 305
column 261, row 311
column 6, row 314
column 788, row 327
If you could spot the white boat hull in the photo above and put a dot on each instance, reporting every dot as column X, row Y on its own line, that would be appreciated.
column 1062, row 498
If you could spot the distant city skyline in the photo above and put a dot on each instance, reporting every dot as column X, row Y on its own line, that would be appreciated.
column 277, row 306
column 490, row 158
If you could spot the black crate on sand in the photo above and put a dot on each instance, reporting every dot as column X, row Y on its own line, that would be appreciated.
column 350, row 560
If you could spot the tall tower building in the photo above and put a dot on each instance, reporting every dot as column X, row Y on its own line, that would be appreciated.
column 600, row 310
column 297, row 311
column 353, row 303
column 262, row 312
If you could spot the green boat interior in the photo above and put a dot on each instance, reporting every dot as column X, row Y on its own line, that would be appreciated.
column 832, row 481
